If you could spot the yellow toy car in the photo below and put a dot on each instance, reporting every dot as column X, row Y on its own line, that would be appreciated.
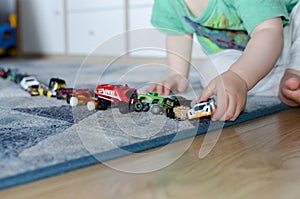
column 54, row 84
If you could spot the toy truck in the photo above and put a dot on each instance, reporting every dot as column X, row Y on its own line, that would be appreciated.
column 166, row 107
column 172, row 102
column 50, row 90
column 122, row 96
column 151, row 98
column 161, row 105
column 203, row 109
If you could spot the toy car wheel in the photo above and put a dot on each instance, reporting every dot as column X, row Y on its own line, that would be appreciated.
column 41, row 91
column 146, row 107
column 102, row 105
column 49, row 94
column 138, row 107
column 123, row 107
column 68, row 99
column 73, row 101
column 170, row 113
column 156, row 109
column 91, row 106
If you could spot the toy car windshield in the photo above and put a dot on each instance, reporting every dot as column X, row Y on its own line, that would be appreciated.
column 29, row 80
column 131, row 94
column 197, row 108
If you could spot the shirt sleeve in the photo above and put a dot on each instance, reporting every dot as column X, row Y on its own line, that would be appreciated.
column 254, row 12
column 166, row 18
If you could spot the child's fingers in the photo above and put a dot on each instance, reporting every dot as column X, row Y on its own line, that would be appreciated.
column 230, row 109
column 206, row 93
column 159, row 88
column 166, row 91
column 167, row 87
column 151, row 88
column 221, row 109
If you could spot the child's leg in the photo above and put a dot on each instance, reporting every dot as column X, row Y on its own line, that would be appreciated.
column 289, row 88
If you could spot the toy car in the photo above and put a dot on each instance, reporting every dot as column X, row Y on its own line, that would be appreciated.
column 168, row 105
column 122, row 96
column 50, row 90
column 150, row 98
column 161, row 105
column 4, row 72
column 12, row 75
column 63, row 93
column 19, row 76
column 203, row 109
column 29, row 81
column 33, row 90
column 80, row 96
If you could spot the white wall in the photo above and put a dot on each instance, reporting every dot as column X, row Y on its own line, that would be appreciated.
column 84, row 27
column 42, row 26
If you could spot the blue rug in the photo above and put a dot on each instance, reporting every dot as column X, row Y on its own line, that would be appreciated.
column 42, row 137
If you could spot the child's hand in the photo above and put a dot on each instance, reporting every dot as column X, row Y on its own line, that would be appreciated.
column 173, row 83
column 289, row 88
column 231, row 91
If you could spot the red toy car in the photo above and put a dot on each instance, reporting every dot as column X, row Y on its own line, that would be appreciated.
column 122, row 96
column 4, row 72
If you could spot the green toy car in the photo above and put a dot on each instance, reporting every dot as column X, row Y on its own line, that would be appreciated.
column 151, row 98
column 162, row 105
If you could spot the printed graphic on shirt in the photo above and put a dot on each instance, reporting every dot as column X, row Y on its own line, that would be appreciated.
column 223, row 38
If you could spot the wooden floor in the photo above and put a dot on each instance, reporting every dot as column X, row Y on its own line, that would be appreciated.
column 256, row 159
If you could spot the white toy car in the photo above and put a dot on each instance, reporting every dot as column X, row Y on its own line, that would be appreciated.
column 203, row 109
column 29, row 81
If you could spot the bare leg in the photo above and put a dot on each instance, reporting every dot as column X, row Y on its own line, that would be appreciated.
column 289, row 89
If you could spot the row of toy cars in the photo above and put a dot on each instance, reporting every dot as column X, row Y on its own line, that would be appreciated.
column 125, row 98
column 11, row 74
column 35, row 87
column 30, row 83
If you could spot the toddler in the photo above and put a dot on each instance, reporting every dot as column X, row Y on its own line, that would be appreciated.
column 258, row 39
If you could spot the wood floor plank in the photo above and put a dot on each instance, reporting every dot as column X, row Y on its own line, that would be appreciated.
column 255, row 159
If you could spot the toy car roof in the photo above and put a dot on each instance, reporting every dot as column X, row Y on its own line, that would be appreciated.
column 58, row 80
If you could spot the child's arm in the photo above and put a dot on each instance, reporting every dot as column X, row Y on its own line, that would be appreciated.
column 179, row 49
column 257, row 60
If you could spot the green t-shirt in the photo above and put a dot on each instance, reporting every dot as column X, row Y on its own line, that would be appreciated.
column 224, row 23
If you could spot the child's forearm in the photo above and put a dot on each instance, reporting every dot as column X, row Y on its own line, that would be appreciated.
column 261, row 53
column 179, row 49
